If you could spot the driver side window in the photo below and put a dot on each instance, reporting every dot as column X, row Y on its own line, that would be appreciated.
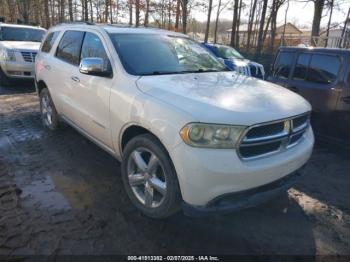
column 93, row 47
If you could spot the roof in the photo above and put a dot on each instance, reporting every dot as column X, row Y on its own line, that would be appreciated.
column 21, row 26
column 119, row 28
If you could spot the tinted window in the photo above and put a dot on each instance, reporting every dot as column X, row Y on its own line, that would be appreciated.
column 21, row 34
column 93, row 47
column 147, row 54
column 283, row 64
column 323, row 69
column 49, row 41
column 301, row 67
column 69, row 47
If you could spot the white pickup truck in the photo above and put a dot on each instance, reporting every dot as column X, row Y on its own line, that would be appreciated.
column 19, row 44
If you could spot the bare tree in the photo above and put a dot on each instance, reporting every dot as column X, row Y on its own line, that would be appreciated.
column 234, row 22
column 316, row 21
column 251, row 21
column 184, row 6
column 210, row 6
column 261, row 28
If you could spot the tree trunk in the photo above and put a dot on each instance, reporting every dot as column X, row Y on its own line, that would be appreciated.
column 343, row 33
column 184, row 15
column 251, row 22
column 210, row 6
column 137, row 13
column 217, row 22
column 234, row 23
column 318, row 4
column 238, row 23
column 329, row 22
column 147, row 13
column 47, row 14
column 70, row 10
column 130, row 12
column 177, row 18
column 261, row 28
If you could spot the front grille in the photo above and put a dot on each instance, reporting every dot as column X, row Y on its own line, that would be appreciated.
column 29, row 56
column 265, row 130
column 265, row 139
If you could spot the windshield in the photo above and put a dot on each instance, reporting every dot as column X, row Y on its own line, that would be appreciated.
column 229, row 52
column 148, row 54
column 21, row 34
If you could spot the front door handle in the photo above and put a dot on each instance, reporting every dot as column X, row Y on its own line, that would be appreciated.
column 47, row 67
column 346, row 99
column 75, row 78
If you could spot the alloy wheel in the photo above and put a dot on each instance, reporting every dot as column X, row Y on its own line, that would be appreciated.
column 146, row 177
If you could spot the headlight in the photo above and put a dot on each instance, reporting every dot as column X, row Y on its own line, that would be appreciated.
column 211, row 135
column 8, row 55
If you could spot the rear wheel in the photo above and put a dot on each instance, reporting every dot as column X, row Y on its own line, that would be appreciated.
column 48, row 111
column 149, row 177
column 4, row 80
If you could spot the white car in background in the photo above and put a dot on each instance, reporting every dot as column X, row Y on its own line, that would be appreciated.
column 186, row 129
column 19, row 45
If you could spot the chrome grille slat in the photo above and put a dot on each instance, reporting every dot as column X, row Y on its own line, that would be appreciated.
column 262, row 140
column 29, row 56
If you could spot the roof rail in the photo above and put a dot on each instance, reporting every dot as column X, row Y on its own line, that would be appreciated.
column 77, row 22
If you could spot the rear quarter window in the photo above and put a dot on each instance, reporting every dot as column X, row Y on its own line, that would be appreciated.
column 49, row 41
column 283, row 65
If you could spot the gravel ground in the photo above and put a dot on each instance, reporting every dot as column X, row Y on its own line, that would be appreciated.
column 61, row 194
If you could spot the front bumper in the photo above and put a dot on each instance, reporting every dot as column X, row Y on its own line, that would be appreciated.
column 245, row 199
column 19, row 70
column 207, row 174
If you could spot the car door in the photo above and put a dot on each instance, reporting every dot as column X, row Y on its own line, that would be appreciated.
column 91, row 93
column 66, row 64
column 343, row 106
column 315, row 78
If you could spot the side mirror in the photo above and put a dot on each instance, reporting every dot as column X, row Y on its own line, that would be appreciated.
column 94, row 66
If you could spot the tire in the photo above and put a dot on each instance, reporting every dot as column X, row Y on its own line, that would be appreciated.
column 48, row 111
column 4, row 79
column 160, row 188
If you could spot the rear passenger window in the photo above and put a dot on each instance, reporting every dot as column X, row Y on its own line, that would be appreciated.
column 49, row 41
column 301, row 67
column 283, row 65
column 323, row 69
column 69, row 47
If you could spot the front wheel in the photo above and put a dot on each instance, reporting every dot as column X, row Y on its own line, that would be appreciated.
column 48, row 111
column 149, row 177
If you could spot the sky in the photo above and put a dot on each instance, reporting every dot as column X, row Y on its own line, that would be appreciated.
column 299, row 13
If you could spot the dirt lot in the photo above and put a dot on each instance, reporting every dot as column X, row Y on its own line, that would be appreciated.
column 61, row 194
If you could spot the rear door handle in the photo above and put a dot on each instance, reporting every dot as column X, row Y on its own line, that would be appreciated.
column 47, row 67
column 75, row 78
column 346, row 99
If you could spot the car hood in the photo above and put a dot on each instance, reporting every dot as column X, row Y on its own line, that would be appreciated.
column 225, row 97
column 21, row 45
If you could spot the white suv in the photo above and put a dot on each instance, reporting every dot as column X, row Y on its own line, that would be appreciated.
column 186, row 130
column 19, row 45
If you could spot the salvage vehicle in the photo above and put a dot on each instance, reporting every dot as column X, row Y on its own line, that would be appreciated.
column 19, row 45
column 322, row 76
column 188, row 132
column 235, row 61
